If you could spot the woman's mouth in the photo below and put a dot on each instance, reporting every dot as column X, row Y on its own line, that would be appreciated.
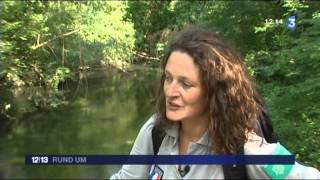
column 173, row 106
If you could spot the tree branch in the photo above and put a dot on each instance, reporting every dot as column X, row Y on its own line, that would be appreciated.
column 63, row 35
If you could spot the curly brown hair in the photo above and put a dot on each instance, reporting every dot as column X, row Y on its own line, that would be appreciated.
column 229, row 90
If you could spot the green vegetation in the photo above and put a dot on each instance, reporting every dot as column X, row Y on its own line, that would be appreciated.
column 45, row 44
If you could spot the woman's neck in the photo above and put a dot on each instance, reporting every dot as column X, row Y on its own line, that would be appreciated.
column 193, row 129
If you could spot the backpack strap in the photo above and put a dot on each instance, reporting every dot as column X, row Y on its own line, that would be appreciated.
column 266, row 126
column 235, row 171
column 157, row 138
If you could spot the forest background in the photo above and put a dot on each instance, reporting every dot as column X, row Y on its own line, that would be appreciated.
column 44, row 45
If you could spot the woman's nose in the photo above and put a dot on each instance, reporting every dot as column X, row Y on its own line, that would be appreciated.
column 171, row 90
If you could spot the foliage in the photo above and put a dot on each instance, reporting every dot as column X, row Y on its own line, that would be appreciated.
column 44, row 43
column 155, row 15
column 288, row 74
column 108, row 29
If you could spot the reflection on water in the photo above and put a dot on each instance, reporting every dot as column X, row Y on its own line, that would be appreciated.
column 104, row 119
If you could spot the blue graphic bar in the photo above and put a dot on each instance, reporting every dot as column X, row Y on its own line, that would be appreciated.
column 159, row 159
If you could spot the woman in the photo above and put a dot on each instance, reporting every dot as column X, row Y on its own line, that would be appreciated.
column 206, row 104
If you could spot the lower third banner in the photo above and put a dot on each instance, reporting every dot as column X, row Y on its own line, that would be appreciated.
column 158, row 159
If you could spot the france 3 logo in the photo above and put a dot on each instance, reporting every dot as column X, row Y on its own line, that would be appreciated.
column 291, row 22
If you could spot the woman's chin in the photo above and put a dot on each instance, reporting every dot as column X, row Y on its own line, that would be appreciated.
column 174, row 117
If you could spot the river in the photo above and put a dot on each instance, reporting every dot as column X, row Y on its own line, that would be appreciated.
column 103, row 116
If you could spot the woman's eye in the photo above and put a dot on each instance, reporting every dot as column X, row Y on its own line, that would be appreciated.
column 167, row 78
column 186, row 85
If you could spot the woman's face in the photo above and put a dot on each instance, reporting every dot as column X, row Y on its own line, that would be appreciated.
column 182, row 88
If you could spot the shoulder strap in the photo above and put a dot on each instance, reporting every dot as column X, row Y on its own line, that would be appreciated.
column 235, row 171
column 157, row 138
column 266, row 126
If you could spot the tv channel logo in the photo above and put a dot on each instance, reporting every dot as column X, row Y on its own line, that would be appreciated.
column 291, row 22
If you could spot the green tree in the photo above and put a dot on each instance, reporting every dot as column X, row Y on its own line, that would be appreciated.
column 45, row 42
column 287, row 70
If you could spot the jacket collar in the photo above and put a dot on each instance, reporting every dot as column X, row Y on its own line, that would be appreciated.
column 173, row 131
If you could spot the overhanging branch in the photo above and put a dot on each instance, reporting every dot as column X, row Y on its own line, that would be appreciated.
column 61, row 36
